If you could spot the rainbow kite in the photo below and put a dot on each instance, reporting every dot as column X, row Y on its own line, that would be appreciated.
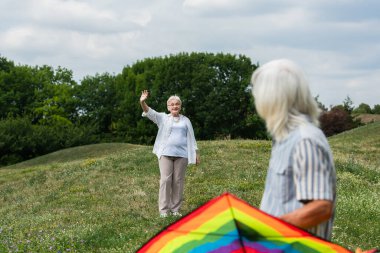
column 228, row 224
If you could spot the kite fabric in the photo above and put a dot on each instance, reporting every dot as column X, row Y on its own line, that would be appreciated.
column 229, row 224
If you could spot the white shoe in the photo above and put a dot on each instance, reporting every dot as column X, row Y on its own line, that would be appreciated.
column 178, row 214
column 163, row 215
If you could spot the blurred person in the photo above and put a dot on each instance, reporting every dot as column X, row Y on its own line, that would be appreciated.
column 300, row 187
column 175, row 147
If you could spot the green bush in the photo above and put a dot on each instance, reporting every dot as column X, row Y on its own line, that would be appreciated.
column 21, row 140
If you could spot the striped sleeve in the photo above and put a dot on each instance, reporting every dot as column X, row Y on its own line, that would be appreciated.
column 312, row 172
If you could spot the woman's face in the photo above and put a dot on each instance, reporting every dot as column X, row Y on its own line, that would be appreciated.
column 174, row 107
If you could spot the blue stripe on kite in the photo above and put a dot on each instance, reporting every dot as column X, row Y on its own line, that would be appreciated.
column 223, row 241
column 234, row 246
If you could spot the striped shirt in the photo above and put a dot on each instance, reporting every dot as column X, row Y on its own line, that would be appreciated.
column 301, row 169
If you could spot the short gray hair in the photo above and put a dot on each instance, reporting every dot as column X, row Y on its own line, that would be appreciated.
column 282, row 97
column 174, row 97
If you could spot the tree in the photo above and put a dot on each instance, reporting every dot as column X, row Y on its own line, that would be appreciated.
column 363, row 109
column 376, row 109
column 96, row 101
column 17, row 88
column 213, row 89
column 55, row 102
column 320, row 105
column 5, row 64
column 40, row 93
column 348, row 105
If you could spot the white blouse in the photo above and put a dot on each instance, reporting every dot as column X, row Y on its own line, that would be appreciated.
column 165, row 126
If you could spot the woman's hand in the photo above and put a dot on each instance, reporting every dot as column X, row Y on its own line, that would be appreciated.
column 144, row 95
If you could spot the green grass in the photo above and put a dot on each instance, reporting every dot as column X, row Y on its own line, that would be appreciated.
column 103, row 198
column 357, row 159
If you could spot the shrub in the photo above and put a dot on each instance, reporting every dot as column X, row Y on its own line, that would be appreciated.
column 336, row 120
column 21, row 140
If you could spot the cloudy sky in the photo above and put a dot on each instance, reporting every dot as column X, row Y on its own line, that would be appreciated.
column 336, row 42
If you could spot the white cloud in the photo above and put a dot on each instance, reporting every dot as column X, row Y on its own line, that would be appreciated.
column 288, row 19
column 201, row 4
column 48, row 41
column 218, row 8
column 336, row 42
column 16, row 38
column 81, row 16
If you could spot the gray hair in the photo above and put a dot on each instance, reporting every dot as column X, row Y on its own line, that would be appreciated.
column 283, row 98
column 174, row 97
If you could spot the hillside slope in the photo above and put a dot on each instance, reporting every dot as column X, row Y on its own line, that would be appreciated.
column 361, row 145
column 103, row 198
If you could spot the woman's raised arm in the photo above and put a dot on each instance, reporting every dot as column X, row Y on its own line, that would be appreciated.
column 144, row 96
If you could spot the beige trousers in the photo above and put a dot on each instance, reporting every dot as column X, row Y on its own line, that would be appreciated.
column 172, row 180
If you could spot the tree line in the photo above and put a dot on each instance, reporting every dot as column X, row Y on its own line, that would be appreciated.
column 43, row 109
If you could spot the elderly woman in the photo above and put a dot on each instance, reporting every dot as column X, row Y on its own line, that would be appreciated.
column 175, row 147
column 300, row 186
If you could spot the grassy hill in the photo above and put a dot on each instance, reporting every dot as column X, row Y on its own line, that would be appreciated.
column 368, row 118
column 103, row 198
